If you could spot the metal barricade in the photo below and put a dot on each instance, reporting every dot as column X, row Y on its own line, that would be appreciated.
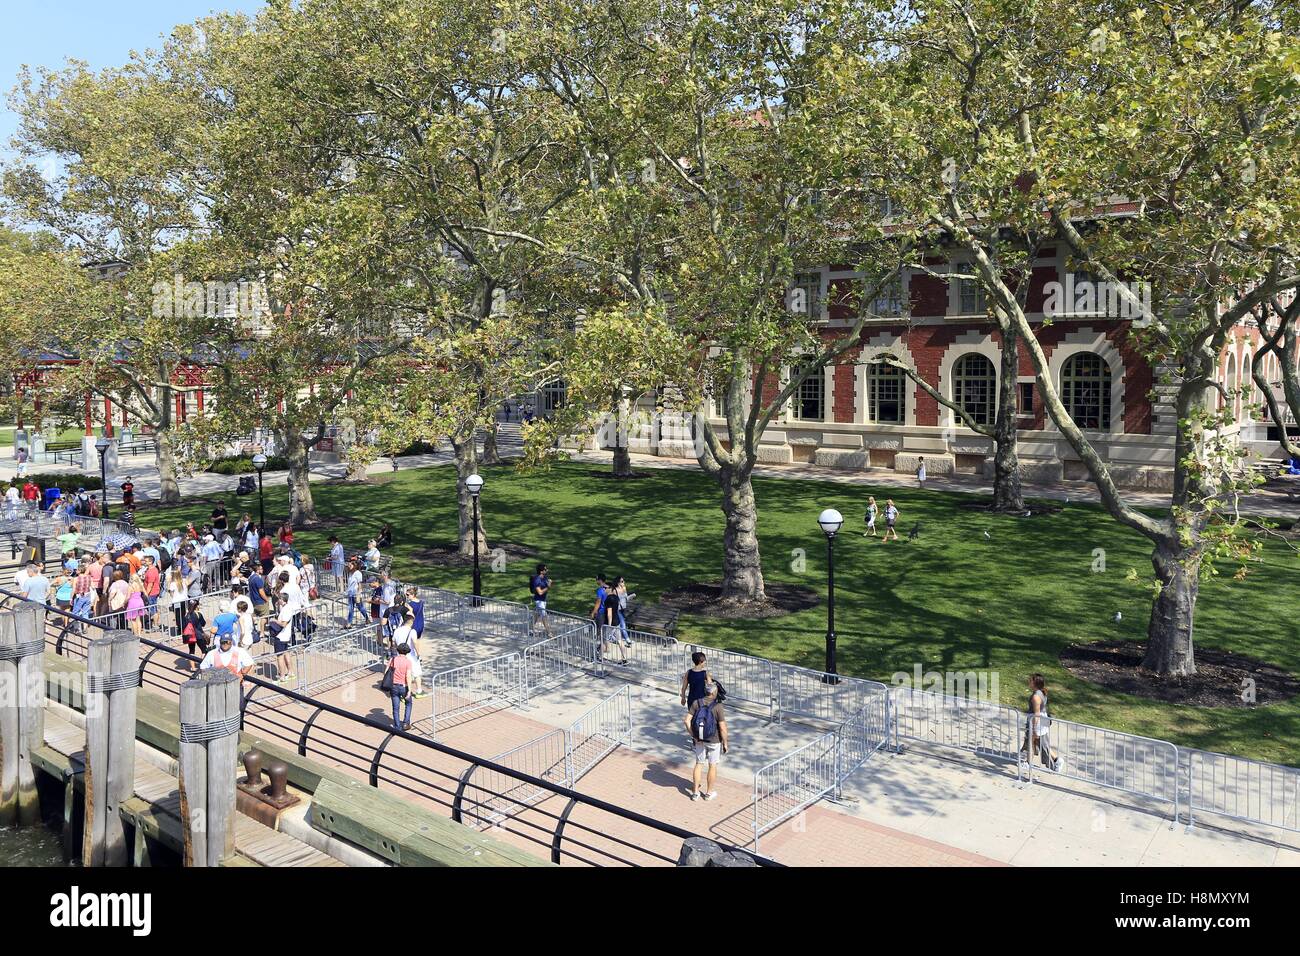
column 1109, row 758
column 489, row 797
column 480, row 686
column 549, row 662
column 597, row 732
column 788, row 785
column 744, row 678
column 961, row 723
column 652, row 656
column 801, row 692
column 1243, row 789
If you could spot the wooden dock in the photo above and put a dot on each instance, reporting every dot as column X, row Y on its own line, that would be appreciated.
column 154, row 810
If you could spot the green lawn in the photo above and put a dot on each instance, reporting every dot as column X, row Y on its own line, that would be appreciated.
column 953, row 600
column 72, row 433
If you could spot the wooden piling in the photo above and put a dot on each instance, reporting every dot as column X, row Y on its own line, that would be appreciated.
column 209, row 711
column 112, row 669
column 22, row 712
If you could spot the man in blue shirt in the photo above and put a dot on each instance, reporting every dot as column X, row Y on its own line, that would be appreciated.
column 598, row 615
column 261, row 600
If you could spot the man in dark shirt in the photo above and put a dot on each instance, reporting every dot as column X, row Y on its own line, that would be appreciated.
column 128, row 493
column 710, row 743
column 539, row 586
column 219, row 517
column 609, row 618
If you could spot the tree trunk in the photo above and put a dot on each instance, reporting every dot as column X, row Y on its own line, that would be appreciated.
column 742, row 568
column 622, row 462
column 1007, row 495
column 302, row 509
column 1169, row 633
column 490, row 454
column 466, row 465
column 169, row 489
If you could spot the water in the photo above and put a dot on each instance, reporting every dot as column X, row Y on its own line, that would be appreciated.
column 31, row 846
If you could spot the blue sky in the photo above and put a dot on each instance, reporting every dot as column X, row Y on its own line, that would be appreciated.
column 101, row 32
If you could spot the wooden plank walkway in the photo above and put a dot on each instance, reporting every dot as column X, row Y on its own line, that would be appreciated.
column 157, row 806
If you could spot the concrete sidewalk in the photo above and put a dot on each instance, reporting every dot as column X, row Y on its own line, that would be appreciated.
column 924, row 806
column 1272, row 503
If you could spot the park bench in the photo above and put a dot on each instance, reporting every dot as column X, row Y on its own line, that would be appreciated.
column 652, row 618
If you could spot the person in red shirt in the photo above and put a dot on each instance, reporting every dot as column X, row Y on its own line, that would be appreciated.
column 266, row 552
column 286, row 534
column 31, row 492
column 152, row 585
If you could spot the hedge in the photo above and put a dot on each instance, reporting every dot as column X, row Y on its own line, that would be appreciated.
column 243, row 465
column 65, row 481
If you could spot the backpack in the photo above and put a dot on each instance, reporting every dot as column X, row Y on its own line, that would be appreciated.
column 704, row 725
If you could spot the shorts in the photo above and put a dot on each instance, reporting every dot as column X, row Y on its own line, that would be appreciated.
column 708, row 753
column 540, row 608
column 262, row 610
column 282, row 646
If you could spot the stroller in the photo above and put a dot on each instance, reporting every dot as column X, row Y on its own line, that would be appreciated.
column 247, row 485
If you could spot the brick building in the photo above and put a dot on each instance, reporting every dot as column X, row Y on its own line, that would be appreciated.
column 858, row 415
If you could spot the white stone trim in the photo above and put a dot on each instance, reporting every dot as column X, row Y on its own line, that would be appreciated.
column 1085, row 339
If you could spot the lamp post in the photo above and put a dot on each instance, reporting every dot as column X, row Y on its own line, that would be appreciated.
column 259, row 462
column 474, row 484
column 101, row 446
column 830, row 521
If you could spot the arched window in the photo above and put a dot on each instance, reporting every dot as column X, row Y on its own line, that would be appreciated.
column 885, row 394
column 553, row 395
column 1085, row 390
column 974, row 387
column 808, row 404
column 1229, row 378
column 1252, row 398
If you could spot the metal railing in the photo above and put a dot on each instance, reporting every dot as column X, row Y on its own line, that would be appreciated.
column 584, row 830
column 962, row 723
column 560, row 756
column 327, row 659
column 492, row 684
column 1240, row 788
column 790, row 784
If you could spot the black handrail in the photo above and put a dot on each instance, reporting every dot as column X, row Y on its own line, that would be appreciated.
column 574, row 798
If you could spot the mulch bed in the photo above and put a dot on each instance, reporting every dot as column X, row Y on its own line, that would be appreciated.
column 1218, row 682
column 1034, row 509
column 705, row 600
column 449, row 556
column 610, row 474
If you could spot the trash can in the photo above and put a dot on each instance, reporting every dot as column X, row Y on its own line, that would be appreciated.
column 35, row 550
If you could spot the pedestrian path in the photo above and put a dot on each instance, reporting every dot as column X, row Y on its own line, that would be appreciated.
column 1271, row 503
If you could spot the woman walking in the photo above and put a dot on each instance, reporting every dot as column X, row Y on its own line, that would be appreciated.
column 891, row 519
column 871, row 517
column 1037, row 725
column 135, row 611
column 398, row 680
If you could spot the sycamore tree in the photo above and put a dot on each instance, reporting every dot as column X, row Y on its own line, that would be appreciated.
column 714, row 121
column 42, row 286
column 1156, row 149
column 105, row 162
column 1277, row 323
column 304, row 226
column 433, row 107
